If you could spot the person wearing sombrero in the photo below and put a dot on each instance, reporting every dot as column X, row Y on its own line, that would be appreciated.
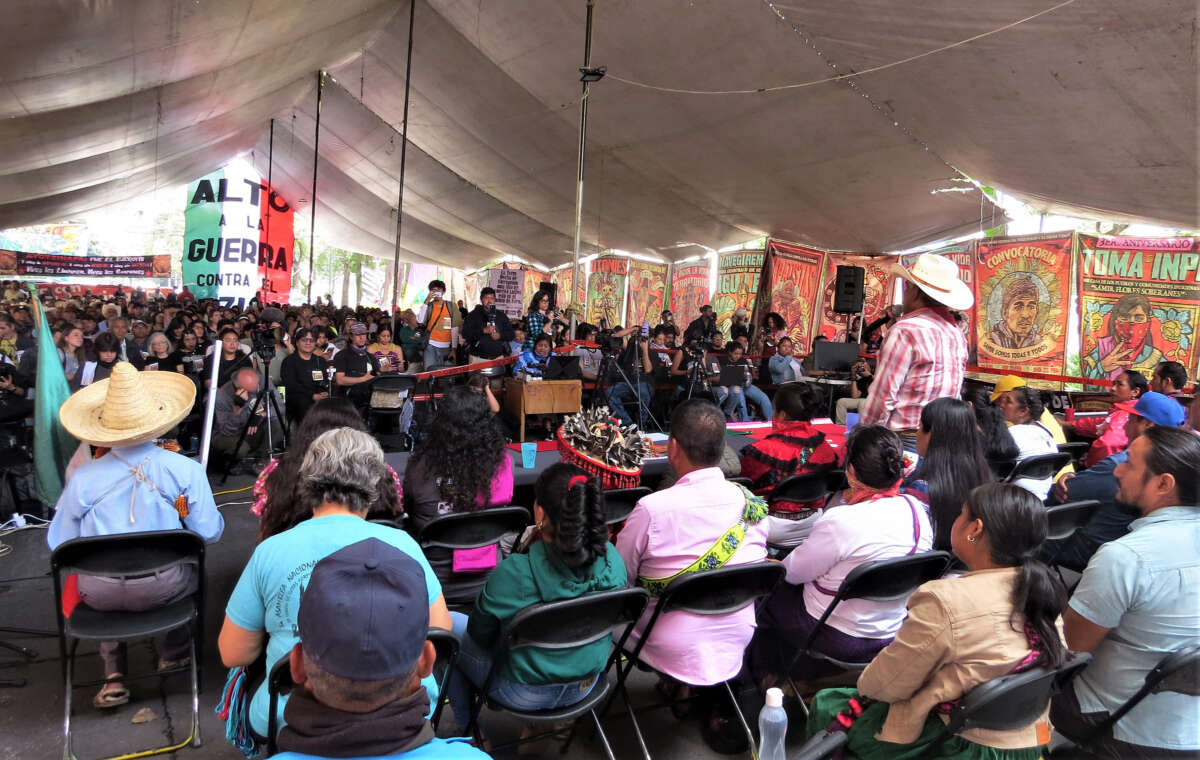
column 924, row 355
column 136, row 486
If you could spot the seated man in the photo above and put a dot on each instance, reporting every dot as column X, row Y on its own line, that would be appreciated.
column 671, row 533
column 135, row 487
column 1110, row 520
column 355, row 368
column 1139, row 600
column 1170, row 378
column 234, row 405
column 338, row 475
column 359, row 663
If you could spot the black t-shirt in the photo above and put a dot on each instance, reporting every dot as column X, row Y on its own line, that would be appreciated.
column 354, row 364
column 303, row 377
column 192, row 361
column 170, row 363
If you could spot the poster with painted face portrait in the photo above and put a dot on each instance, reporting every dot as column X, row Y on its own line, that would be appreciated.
column 647, row 293
column 791, row 288
column 606, row 291
column 1022, row 293
column 689, row 291
column 1139, row 303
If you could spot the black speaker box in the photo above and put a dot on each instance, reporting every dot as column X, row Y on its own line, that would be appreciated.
column 848, row 290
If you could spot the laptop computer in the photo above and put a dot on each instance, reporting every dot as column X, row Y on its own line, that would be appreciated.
column 562, row 368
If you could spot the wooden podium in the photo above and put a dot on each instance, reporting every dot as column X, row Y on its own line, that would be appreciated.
column 525, row 397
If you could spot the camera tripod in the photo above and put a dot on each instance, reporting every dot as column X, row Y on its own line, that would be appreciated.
column 697, row 375
column 266, row 393
column 608, row 360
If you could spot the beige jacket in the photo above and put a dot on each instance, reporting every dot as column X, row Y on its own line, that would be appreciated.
column 958, row 634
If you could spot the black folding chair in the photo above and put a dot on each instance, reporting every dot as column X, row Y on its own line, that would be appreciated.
column 811, row 486
column 1002, row 468
column 558, row 626
column 835, row 480
column 713, row 592
column 1179, row 671
column 883, row 580
column 118, row 556
column 280, row 683
column 1077, row 449
column 1039, row 467
column 469, row 530
column 403, row 387
column 742, row 481
column 1064, row 519
column 619, row 502
column 1002, row 704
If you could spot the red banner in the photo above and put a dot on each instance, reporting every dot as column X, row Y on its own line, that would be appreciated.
column 1022, row 292
column 276, row 248
column 689, row 291
column 647, row 293
column 14, row 263
column 877, row 287
column 1139, row 302
column 790, row 287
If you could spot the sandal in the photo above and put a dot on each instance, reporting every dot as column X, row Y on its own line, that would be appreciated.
column 111, row 694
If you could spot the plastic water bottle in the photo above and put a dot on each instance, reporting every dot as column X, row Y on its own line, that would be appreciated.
column 772, row 727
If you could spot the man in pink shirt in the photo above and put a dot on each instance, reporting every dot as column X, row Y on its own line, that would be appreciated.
column 924, row 354
column 669, row 530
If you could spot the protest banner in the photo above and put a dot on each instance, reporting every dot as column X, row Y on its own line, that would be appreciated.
column 877, row 292
column 508, row 284
column 1022, row 293
column 647, row 293
column 26, row 264
column 606, row 290
column 738, row 275
column 1139, row 303
column 689, row 291
column 791, row 283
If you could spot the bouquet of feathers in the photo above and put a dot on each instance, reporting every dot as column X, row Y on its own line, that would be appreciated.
column 599, row 444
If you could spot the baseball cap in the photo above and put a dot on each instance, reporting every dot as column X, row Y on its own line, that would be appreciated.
column 1159, row 409
column 706, row 307
column 1006, row 384
column 358, row 328
column 365, row 612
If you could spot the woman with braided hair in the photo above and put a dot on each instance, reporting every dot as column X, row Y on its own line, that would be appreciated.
column 570, row 557
column 1000, row 617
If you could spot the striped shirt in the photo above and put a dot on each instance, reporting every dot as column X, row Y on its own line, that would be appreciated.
column 923, row 358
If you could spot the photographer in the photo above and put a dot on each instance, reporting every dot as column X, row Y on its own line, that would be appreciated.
column 589, row 358
column 487, row 330
column 695, row 366
column 539, row 317
column 355, row 369
column 860, row 373
column 304, row 374
column 234, row 403
column 637, row 350
column 439, row 320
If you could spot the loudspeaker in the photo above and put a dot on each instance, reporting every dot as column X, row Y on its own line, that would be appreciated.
column 848, row 290
column 552, row 289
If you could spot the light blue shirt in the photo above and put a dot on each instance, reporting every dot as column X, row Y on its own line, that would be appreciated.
column 105, row 496
column 1145, row 587
column 267, row 596
column 437, row 749
column 785, row 369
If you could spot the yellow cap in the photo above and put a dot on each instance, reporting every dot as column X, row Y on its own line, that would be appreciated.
column 1006, row 384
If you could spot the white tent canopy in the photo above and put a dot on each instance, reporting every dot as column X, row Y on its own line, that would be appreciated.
column 1087, row 109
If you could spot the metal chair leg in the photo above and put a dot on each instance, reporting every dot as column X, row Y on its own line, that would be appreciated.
column 68, row 672
column 603, row 738
column 196, row 740
column 742, row 719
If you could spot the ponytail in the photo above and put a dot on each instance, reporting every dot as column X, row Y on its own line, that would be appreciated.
column 1015, row 523
column 574, row 506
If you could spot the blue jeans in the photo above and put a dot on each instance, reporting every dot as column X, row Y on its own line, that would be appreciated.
column 474, row 662
column 730, row 399
column 622, row 390
column 435, row 357
column 755, row 395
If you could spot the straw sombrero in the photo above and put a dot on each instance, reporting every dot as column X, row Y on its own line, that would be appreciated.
column 128, row 407
column 938, row 277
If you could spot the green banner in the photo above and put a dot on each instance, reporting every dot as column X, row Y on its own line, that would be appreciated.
column 223, row 225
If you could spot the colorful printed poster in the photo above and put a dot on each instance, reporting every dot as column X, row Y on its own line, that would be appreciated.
column 533, row 281
column 471, row 288
column 738, row 274
column 238, row 239
column 689, row 291
column 509, row 285
column 790, row 287
column 606, row 290
column 563, row 279
column 647, row 293
column 877, row 287
column 1022, row 292
column 1139, row 301
column 962, row 254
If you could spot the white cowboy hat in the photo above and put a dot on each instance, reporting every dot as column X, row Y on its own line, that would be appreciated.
column 937, row 277
column 128, row 407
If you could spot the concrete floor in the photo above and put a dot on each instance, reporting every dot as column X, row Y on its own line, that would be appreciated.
column 31, row 716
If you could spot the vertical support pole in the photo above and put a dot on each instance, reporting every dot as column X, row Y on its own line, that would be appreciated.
column 265, row 198
column 412, row 17
column 583, row 104
column 312, row 226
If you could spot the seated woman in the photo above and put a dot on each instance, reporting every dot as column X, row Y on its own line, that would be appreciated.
column 1000, row 617
column 390, row 355
column 532, row 361
column 876, row 522
column 794, row 447
column 783, row 366
column 998, row 444
column 570, row 557
column 749, row 392
column 278, row 498
column 952, row 463
column 462, row 466
column 1109, row 431
column 1022, row 407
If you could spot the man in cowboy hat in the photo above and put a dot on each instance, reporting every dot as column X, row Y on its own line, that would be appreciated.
column 924, row 354
column 135, row 487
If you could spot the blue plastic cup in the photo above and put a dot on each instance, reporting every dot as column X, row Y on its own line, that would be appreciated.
column 529, row 455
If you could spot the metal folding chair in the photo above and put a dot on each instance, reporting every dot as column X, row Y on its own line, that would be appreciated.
column 469, row 530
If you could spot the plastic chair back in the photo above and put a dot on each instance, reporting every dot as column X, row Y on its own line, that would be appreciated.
column 1016, row 700
column 619, row 502
column 1063, row 519
column 124, row 554
column 835, row 480
column 394, row 383
column 810, row 486
column 575, row 622
column 1179, row 671
column 1039, row 467
column 888, row 580
column 471, row 530
column 1077, row 449
column 721, row 591
column 1002, row 468
column 742, row 481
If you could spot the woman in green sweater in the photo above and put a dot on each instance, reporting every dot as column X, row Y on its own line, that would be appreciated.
column 570, row 557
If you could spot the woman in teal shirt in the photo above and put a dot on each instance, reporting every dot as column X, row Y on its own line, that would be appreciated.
column 570, row 556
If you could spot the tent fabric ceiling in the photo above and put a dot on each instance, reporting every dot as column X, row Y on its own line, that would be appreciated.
column 1090, row 109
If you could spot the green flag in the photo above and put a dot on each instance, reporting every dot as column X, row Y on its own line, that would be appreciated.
column 52, row 444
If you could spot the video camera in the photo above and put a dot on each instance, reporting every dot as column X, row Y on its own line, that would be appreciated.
column 609, row 342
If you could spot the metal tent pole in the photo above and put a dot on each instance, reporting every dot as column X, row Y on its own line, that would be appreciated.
column 312, row 225
column 583, row 109
column 412, row 16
